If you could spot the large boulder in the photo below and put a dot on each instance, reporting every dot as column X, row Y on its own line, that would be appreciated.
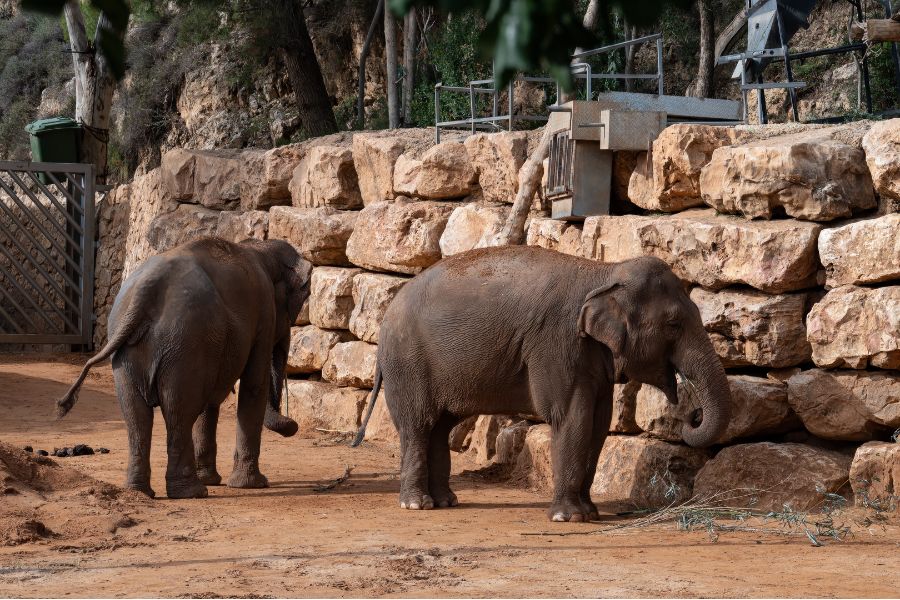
column 217, row 179
column 855, row 327
column 326, row 177
column 331, row 297
column 372, row 293
column 553, row 234
column 767, row 476
column 752, row 328
column 875, row 475
column 176, row 172
column 806, row 176
column 863, row 252
column 472, row 226
column 640, row 473
column 351, row 364
column 374, row 156
column 711, row 250
column 266, row 174
column 310, row 347
column 882, row 146
column 186, row 223
column 381, row 427
column 401, row 236
column 668, row 177
column 758, row 406
column 533, row 465
column 317, row 404
column 510, row 441
column 624, row 408
column 236, row 226
column 319, row 234
column 497, row 158
column 846, row 405
column 443, row 172
column 461, row 434
column 483, row 441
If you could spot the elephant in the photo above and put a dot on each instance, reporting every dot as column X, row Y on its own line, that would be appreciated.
column 528, row 330
column 184, row 327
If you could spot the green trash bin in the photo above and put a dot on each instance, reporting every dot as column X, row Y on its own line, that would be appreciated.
column 57, row 139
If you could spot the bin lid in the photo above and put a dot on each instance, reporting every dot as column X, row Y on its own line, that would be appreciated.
column 51, row 124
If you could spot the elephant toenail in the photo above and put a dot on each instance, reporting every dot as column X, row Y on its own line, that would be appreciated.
column 559, row 518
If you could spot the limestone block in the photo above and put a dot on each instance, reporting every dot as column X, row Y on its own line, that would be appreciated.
column 497, row 158
column 846, row 405
column 317, row 404
column 472, row 226
column 186, row 223
column 713, row 251
column 668, row 178
column 638, row 472
column 401, row 236
column 266, row 174
column 775, row 475
column 236, row 226
column 510, row 441
column 351, row 364
column 326, row 177
column 875, row 475
column 807, row 177
column 303, row 315
column 374, row 157
column 854, row 327
column 863, row 252
column 752, row 328
column 319, row 234
column 624, row 407
column 217, row 179
column 534, row 466
column 483, row 444
column 372, row 293
column 443, row 172
column 310, row 347
column 461, row 434
column 381, row 427
column 556, row 235
column 882, row 146
column 177, row 174
column 758, row 406
column 331, row 297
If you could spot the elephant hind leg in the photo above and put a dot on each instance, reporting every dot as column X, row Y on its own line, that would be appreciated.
column 253, row 398
column 204, row 436
column 181, row 402
column 439, row 463
column 139, row 420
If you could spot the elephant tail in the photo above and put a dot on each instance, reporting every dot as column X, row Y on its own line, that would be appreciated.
column 362, row 428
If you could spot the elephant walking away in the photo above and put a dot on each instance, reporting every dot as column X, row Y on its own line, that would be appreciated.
column 184, row 327
column 527, row 330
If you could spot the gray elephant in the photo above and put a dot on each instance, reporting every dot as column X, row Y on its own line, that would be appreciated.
column 528, row 330
column 185, row 326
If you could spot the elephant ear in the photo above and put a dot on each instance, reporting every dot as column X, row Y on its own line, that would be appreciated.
column 603, row 318
column 298, row 280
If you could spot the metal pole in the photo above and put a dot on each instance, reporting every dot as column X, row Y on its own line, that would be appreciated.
column 659, row 65
column 472, row 105
column 510, row 106
column 787, row 63
column 437, row 112
column 761, row 102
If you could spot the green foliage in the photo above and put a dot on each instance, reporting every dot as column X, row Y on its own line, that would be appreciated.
column 882, row 79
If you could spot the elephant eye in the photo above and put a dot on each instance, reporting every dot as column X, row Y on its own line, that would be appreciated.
column 673, row 323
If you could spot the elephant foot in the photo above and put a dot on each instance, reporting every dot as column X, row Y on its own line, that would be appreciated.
column 241, row 479
column 445, row 499
column 209, row 476
column 569, row 511
column 186, row 489
column 280, row 424
column 590, row 509
column 143, row 488
column 413, row 501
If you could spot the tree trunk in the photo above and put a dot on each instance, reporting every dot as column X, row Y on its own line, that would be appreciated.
column 630, row 34
column 390, row 50
column 705, row 83
column 410, row 40
column 296, row 50
column 363, row 55
column 591, row 14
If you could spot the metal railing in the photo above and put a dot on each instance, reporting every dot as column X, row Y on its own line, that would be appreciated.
column 581, row 71
column 47, row 231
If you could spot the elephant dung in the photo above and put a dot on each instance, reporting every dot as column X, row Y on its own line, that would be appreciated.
column 317, row 404
column 668, row 177
column 639, row 472
column 752, row 328
column 310, row 347
column 461, row 434
column 326, row 177
column 186, row 223
column 875, row 475
column 443, row 172
column 624, row 407
column 855, row 327
column 758, row 406
column 351, row 364
column 882, row 146
column 319, row 234
column 767, row 476
column 534, row 466
column 331, row 297
column 372, row 293
column 236, row 226
column 497, row 158
column 846, row 405
column 401, row 236
column 867, row 251
column 510, row 441
column 472, row 225
column 807, row 175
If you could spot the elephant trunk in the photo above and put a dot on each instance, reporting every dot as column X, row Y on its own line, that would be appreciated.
column 706, row 384
column 274, row 420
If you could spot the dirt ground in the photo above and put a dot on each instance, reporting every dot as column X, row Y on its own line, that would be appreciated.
column 353, row 540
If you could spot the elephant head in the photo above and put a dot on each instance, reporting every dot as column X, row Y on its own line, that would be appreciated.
column 645, row 317
column 290, row 274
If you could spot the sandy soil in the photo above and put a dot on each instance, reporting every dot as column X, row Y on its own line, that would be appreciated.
column 353, row 540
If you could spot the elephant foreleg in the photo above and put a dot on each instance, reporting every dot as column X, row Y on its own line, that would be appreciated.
column 253, row 398
column 571, row 449
column 602, row 418
column 204, row 436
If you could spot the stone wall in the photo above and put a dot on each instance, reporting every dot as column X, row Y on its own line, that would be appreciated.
column 789, row 239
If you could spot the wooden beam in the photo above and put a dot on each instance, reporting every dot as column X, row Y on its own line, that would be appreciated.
column 872, row 31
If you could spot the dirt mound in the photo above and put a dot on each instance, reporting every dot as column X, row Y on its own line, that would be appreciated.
column 43, row 500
